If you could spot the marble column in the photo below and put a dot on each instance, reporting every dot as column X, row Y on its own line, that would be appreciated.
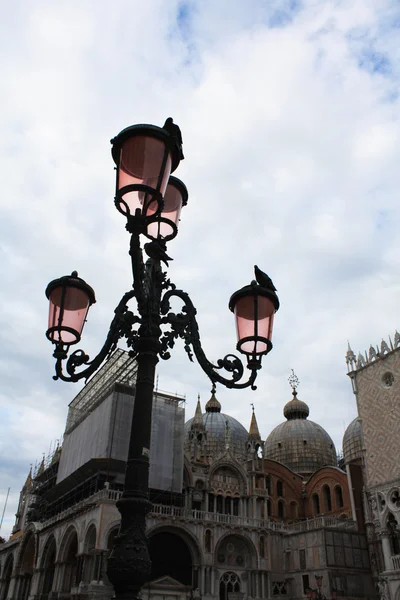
column 387, row 551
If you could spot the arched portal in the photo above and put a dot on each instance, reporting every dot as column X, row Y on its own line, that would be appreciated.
column 25, row 570
column 90, row 544
column 229, row 582
column 110, row 545
column 69, row 560
column 48, row 568
column 8, row 569
column 171, row 556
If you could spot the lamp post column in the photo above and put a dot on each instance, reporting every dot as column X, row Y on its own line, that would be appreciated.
column 129, row 565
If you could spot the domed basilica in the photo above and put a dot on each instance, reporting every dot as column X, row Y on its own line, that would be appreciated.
column 234, row 516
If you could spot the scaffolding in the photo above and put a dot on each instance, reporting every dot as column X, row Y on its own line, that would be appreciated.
column 119, row 368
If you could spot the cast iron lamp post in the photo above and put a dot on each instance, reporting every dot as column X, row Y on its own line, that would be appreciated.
column 151, row 200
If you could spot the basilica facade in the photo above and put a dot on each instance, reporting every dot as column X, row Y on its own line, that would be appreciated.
column 234, row 515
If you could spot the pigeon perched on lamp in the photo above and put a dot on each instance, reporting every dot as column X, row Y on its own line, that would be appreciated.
column 263, row 279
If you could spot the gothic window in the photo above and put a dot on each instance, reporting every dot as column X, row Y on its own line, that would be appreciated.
column 228, row 583
column 395, row 499
column 207, row 540
column 338, row 497
column 279, row 489
column 211, row 502
column 269, row 508
column 268, row 485
column 327, row 498
column 219, row 504
column 281, row 509
column 316, row 506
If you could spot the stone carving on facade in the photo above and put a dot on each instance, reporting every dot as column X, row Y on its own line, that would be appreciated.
column 373, row 354
column 383, row 589
column 360, row 361
column 384, row 347
column 396, row 339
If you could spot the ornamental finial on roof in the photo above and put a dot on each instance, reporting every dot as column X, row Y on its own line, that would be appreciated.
column 294, row 382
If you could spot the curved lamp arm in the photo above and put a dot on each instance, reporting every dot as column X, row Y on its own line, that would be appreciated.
column 184, row 325
column 121, row 326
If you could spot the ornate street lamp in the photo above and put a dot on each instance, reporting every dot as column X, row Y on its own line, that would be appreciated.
column 151, row 200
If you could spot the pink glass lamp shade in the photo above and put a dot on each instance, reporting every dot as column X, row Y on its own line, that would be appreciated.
column 254, row 308
column 165, row 225
column 70, row 298
column 145, row 156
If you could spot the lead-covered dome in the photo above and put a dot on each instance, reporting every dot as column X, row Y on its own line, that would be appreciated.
column 221, row 431
column 300, row 444
column 352, row 441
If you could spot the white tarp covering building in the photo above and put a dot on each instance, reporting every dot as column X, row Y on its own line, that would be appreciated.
column 99, row 421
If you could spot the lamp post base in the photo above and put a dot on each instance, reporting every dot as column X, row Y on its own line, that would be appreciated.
column 129, row 565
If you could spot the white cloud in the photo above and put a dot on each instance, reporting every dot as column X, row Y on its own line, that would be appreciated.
column 290, row 126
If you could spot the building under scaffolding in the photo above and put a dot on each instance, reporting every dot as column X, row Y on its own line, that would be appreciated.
column 96, row 442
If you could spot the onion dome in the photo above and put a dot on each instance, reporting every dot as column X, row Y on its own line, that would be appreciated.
column 352, row 441
column 296, row 409
column 221, row 431
column 300, row 444
column 213, row 406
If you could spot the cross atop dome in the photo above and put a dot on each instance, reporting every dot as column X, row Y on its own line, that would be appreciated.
column 294, row 382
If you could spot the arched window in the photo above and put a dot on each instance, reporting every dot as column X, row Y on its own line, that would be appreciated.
column 219, row 504
column 316, row 506
column 207, row 540
column 327, row 498
column 268, row 485
column 281, row 509
column 279, row 489
column 269, row 508
column 211, row 502
column 338, row 497
column 262, row 546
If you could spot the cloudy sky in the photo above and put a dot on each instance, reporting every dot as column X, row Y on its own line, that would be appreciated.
column 289, row 112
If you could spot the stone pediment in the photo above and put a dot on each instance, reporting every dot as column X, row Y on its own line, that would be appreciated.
column 167, row 582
